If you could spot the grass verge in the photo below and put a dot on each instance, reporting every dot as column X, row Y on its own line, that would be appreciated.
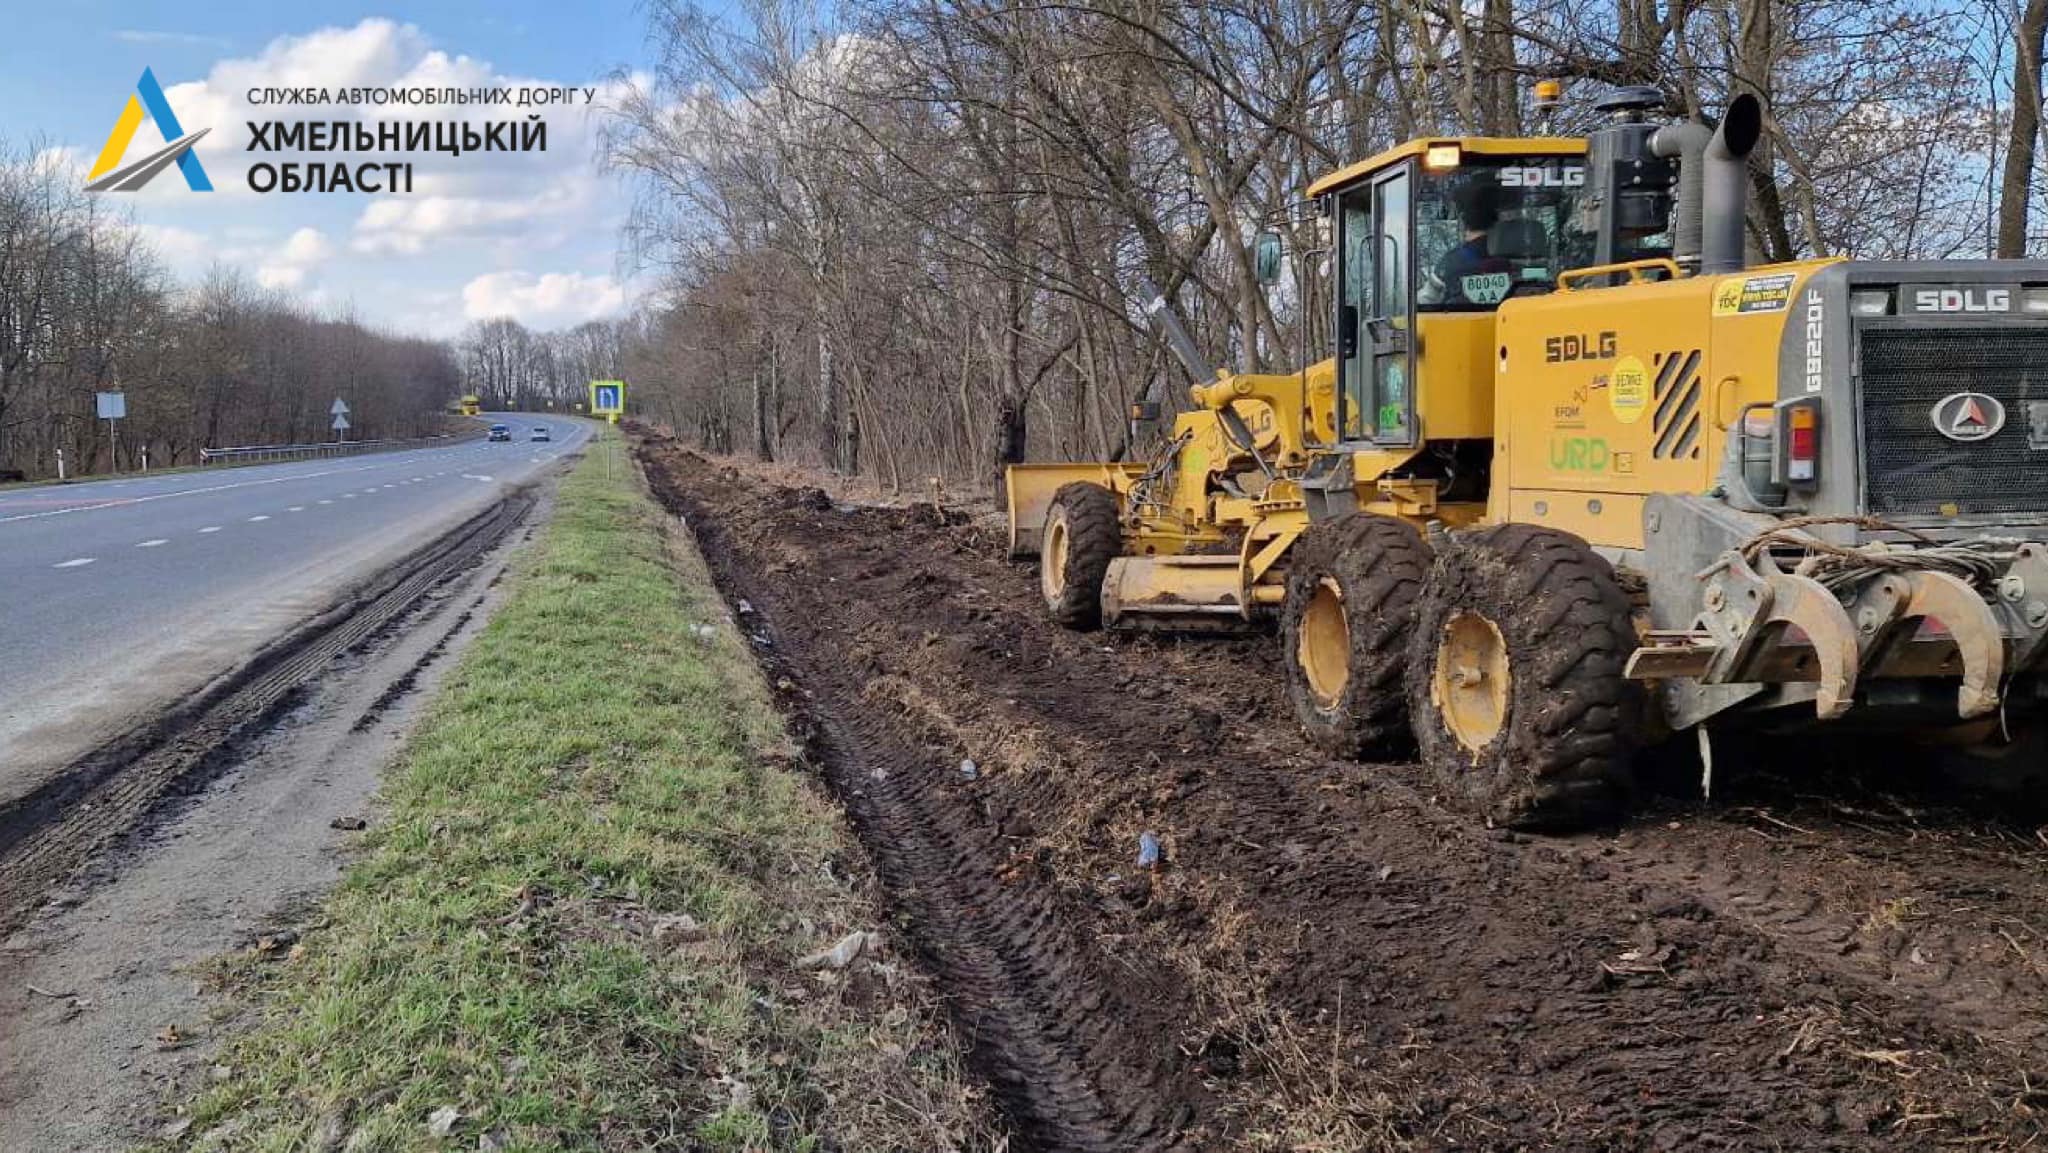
column 578, row 923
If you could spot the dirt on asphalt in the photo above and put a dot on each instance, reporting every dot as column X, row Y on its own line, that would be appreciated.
column 1325, row 957
column 112, row 996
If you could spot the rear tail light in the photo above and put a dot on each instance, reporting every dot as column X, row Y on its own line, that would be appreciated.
column 1799, row 441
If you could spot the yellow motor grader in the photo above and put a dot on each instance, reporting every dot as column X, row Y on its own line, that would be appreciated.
column 1575, row 477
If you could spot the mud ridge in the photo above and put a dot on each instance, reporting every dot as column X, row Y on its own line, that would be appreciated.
column 109, row 792
column 1045, row 1022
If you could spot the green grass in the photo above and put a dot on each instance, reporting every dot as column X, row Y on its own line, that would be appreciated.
column 508, row 944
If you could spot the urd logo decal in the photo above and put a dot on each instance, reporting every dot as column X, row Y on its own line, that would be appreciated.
column 1968, row 416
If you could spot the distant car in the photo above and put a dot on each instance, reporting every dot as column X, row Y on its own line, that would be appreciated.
column 500, row 432
column 541, row 434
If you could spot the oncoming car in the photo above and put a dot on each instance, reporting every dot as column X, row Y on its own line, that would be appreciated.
column 500, row 432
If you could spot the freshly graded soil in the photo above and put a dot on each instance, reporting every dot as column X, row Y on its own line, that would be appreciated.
column 1324, row 956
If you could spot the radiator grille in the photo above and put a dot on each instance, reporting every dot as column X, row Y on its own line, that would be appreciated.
column 1912, row 469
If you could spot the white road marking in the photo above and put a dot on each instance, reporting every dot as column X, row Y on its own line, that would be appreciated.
column 74, row 563
column 326, row 502
column 121, row 502
column 348, row 496
column 151, row 543
column 296, row 508
column 474, row 476
column 211, row 528
column 259, row 516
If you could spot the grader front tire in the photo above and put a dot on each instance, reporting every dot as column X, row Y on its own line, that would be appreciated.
column 1515, row 690
column 1083, row 533
column 1352, row 586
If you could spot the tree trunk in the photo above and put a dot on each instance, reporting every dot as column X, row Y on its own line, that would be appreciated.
column 2017, row 185
column 763, row 450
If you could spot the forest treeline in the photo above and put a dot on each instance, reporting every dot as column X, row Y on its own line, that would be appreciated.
column 87, row 307
column 900, row 236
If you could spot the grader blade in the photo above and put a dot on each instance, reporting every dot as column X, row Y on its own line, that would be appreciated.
column 1175, row 593
column 1030, row 489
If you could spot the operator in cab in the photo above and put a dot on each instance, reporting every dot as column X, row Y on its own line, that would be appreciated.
column 1470, row 274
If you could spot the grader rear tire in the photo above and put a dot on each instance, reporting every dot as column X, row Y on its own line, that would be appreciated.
column 1352, row 587
column 1082, row 535
column 1515, row 689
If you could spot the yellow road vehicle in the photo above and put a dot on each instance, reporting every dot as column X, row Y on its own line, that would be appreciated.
column 1575, row 477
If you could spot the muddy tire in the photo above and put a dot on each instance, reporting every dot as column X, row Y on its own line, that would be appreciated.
column 1082, row 535
column 1352, row 587
column 1515, row 690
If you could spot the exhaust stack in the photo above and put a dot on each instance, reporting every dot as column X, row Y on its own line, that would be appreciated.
column 1725, row 179
column 1687, row 144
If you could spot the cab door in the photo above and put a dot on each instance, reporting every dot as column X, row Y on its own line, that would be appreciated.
column 1376, row 312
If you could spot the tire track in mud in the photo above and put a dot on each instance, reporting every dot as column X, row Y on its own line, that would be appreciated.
column 108, row 793
column 1345, row 961
column 1044, row 1022
column 1920, row 912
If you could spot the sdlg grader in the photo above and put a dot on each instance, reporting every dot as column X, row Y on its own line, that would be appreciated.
column 1576, row 478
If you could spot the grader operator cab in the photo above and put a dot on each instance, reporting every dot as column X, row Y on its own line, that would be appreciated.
column 1575, row 478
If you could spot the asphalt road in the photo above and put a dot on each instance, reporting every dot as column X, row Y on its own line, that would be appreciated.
column 119, row 596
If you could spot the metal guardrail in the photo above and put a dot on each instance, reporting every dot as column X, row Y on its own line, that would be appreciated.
column 256, row 453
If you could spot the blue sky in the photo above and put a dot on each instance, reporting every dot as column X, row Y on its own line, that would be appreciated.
column 532, row 235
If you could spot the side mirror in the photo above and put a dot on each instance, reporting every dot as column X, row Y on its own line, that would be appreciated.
column 1266, row 258
column 1347, row 332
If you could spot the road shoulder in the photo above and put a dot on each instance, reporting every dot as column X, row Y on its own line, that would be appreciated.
column 601, row 905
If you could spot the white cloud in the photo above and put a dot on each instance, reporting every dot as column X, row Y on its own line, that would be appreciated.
column 550, row 300
column 295, row 261
column 188, row 39
column 65, row 162
column 184, row 250
column 411, row 224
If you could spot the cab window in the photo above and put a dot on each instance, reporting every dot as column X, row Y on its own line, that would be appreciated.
column 1375, row 307
column 1490, row 229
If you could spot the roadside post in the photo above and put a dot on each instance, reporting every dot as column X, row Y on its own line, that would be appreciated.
column 608, row 400
column 112, row 406
column 60, row 464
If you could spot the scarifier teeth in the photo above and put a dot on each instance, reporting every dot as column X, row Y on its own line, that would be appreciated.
column 1974, row 629
column 1806, row 604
